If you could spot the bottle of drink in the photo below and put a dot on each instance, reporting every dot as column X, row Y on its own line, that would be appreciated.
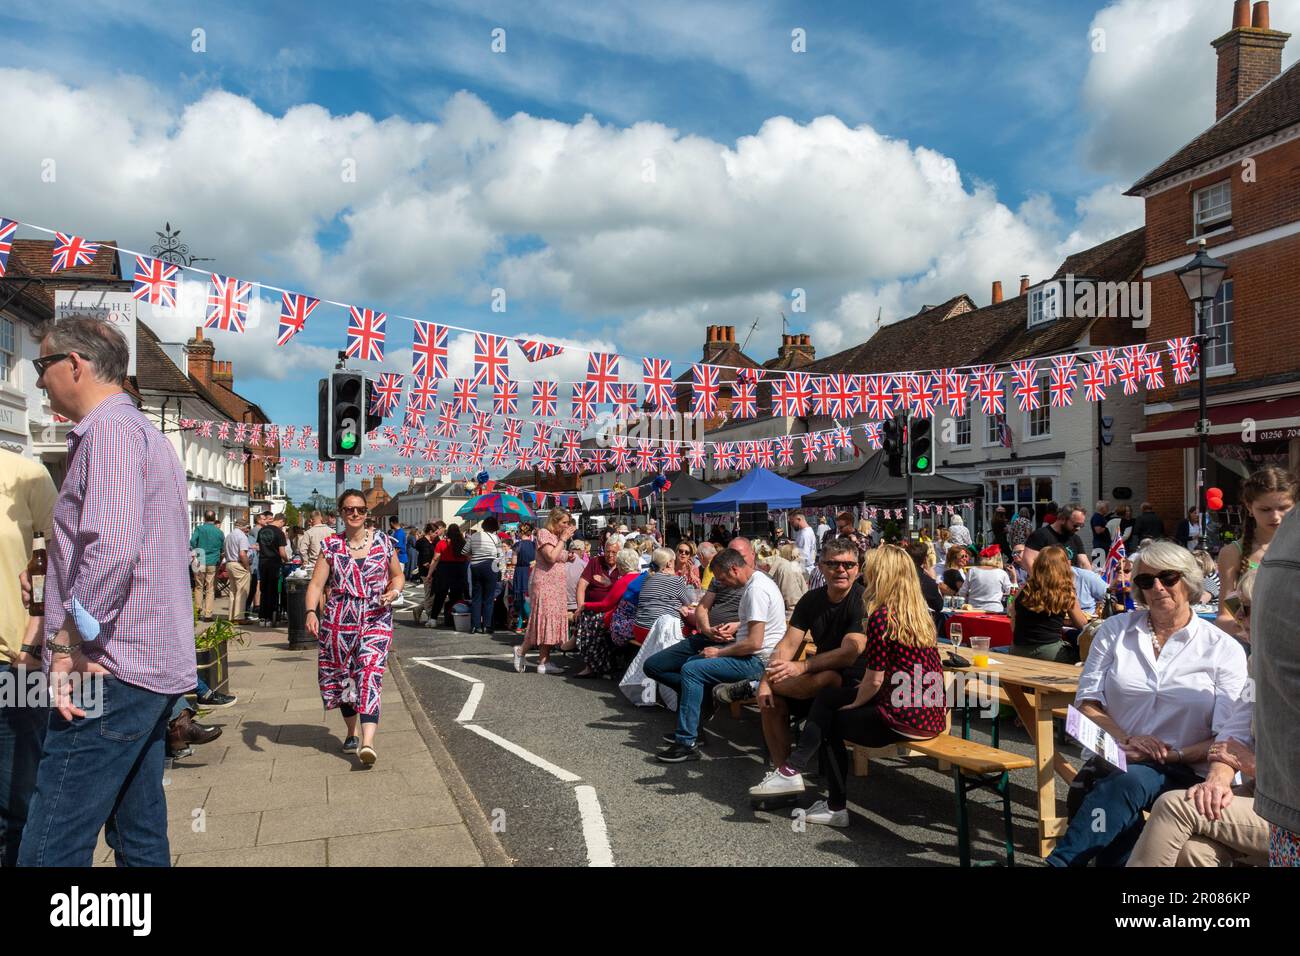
column 36, row 568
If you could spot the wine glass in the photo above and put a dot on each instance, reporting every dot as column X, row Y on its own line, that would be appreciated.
column 954, row 634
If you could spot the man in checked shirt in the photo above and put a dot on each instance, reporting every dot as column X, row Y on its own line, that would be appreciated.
column 117, row 611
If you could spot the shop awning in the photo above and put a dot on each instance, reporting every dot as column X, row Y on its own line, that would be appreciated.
column 1274, row 420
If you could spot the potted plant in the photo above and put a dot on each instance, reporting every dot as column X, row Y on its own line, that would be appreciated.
column 211, row 654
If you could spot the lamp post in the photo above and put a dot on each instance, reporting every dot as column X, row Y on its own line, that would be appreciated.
column 1201, row 279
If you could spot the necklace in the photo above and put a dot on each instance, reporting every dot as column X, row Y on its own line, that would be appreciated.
column 363, row 546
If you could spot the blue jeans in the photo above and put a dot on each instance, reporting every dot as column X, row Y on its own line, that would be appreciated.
column 682, row 669
column 22, row 732
column 104, row 771
column 182, row 704
column 483, row 592
column 1109, row 821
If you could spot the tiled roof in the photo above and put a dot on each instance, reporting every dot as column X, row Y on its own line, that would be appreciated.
column 913, row 343
column 32, row 257
column 1115, row 259
column 1274, row 107
column 154, row 370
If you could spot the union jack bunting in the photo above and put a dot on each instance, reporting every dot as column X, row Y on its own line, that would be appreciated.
column 454, row 453
column 481, row 427
column 70, row 251
column 672, row 457
column 695, row 455
column 1025, row 383
column 989, row 391
column 623, row 395
column 366, row 334
column 1109, row 365
column 524, row 458
column 880, row 398
column 723, row 454
column 499, row 456
column 751, row 375
column 542, row 433
column 904, row 388
column 424, row 394
column 228, row 304
column 830, row 451
column 744, row 454
column 511, row 432
column 429, row 351
column 1153, row 375
column 388, row 392
column 658, row 379
column 646, row 454
column 407, row 448
column 535, row 351
column 447, row 420
column 1094, row 382
column 810, row 445
column 491, row 362
column 873, row 433
column 622, row 457
column 602, row 372
column 412, row 417
column 154, row 280
column 705, row 383
column 1068, row 364
column 1182, row 358
column 744, row 402
column 842, row 437
column 823, row 386
column 599, row 459
column 1130, row 371
column 954, row 388
column 764, row 454
column 792, row 394
column 7, row 229
column 464, row 395
column 545, row 399
column 785, row 451
column 845, row 402
column 925, row 397
column 1061, row 387
column 505, row 398
column 294, row 312
column 584, row 401
column 223, row 430
column 546, row 461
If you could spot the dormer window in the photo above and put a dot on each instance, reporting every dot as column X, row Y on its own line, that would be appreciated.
column 1044, row 304
column 1212, row 208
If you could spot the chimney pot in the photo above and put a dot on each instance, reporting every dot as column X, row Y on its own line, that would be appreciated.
column 1241, row 14
column 1024, row 284
column 997, row 291
column 1259, row 18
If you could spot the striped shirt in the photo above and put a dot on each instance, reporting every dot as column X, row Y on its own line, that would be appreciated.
column 118, row 558
column 661, row 593
column 481, row 546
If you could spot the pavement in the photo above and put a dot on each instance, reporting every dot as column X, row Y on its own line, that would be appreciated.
column 275, row 789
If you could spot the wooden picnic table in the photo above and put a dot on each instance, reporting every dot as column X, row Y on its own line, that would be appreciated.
column 1036, row 688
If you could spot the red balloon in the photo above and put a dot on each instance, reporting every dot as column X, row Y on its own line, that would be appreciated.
column 1214, row 493
column 667, row 485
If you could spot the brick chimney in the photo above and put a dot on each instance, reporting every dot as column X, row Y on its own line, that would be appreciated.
column 1250, row 55
column 796, row 350
column 223, row 373
column 997, row 291
column 198, row 357
column 365, row 484
column 1024, row 285
column 718, row 338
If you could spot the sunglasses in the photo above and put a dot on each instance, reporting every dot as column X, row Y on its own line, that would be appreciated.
column 683, row 551
column 840, row 565
column 354, row 509
column 1146, row 582
column 45, row 361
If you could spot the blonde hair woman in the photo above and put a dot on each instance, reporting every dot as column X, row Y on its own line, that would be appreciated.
column 901, row 646
column 685, row 565
column 548, row 599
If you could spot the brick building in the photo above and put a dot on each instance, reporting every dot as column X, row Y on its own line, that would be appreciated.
column 1237, row 186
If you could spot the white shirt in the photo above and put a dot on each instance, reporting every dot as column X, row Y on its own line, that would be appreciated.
column 1185, row 696
column 236, row 544
column 986, row 589
column 821, row 532
column 762, row 601
column 805, row 540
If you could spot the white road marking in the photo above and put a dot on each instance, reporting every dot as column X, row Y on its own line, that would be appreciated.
column 464, row 657
column 558, row 772
column 471, row 705
column 448, row 670
column 593, row 827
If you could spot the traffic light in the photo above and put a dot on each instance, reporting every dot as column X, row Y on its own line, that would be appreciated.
column 920, row 446
column 893, row 441
column 342, row 417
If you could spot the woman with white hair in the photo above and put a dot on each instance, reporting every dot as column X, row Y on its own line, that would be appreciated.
column 663, row 592
column 595, row 642
column 1163, row 683
column 958, row 533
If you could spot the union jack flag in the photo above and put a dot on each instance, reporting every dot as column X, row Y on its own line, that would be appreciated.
column 545, row 399
column 499, row 456
column 1130, row 370
column 413, row 418
column 1068, row 364
column 602, row 371
column 955, row 391
column 821, row 398
column 830, row 450
column 70, row 251
column 454, row 453
column 1025, row 384
column 924, row 398
column 624, row 397
column 672, row 457
column 1109, row 365
column 990, row 393
column 481, row 427
column 785, row 451
column 873, row 433
column 1114, row 560
column 542, row 433
column 407, row 448
column 388, row 392
column 793, row 393
column 880, row 399
column 491, row 361
column 228, row 304
column 524, row 459
column 810, row 445
column 646, row 454
column 366, row 334
column 1094, row 382
column 294, row 311
column 547, row 461
column 505, row 398
column 429, row 351
column 658, row 378
column 584, row 401
column 424, row 394
column 7, row 229
column 447, row 420
column 705, row 381
column 535, row 351
column 744, row 402
column 622, row 457
column 475, row 457
column 1061, row 387
column 464, row 395
column 764, row 454
column 904, row 388
column 1182, row 358
column 752, row 375
column 599, row 460
column 223, row 430
column 1004, row 432
column 511, row 432
column 155, row 280
column 840, row 398
column 1153, row 375
column 724, row 454
column 695, row 456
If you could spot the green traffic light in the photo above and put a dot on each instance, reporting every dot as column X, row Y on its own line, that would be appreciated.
column 348, row 441
column 922, row 463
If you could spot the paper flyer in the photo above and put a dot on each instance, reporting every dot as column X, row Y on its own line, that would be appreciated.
column 1094, row 739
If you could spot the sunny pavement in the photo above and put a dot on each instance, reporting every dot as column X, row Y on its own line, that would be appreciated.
column 275, row 789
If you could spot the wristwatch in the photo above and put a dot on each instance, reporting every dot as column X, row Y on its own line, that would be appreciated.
column 33, row 649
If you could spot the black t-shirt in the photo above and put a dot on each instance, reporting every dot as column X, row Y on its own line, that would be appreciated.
column 1100, row 540
column 1047, row 535
column 827, row 623
column 423, row 552
column 1035, row 627
column 269, row 542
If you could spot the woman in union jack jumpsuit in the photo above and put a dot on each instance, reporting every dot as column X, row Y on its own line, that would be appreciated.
column 364, row 576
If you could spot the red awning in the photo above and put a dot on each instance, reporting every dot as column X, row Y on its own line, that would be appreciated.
column 1273, row 420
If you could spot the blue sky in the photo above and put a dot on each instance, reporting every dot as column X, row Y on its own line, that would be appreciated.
column 912, row 152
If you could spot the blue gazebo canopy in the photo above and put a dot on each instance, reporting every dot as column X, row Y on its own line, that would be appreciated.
column 759, row 486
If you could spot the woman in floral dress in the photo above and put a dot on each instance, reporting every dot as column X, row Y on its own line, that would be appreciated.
column 364, row 575
column 548, row 624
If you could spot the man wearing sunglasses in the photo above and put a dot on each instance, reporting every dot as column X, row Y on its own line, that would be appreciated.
column 831, row 617
column 118, row 612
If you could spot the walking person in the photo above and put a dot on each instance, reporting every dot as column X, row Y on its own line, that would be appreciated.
column 271, row 548
column 548, row 624
column 238, row 561
column 118, row 612
column 208, row 538
column 424, row 550
column 363, row 571
column 483, row 550
column 449, row 576
column 525, row 554
column 312, row 540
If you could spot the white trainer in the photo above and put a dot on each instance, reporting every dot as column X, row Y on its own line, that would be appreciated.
column 519, row 661
column 820, row 812
column 777, row 784
column 549, row 668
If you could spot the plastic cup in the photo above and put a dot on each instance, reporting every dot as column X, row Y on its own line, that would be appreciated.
column 980, row 645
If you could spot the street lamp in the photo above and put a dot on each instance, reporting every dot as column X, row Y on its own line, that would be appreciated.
column 1201, row 279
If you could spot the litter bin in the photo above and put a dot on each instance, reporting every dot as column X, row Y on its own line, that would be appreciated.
column 295, row 598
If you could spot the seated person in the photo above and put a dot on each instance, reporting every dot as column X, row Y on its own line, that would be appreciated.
column 1209, row 574
column 1018, row 573
column 1163, row 683
column 719, row 608
column 692, row 666
column 831, row 617
column 783, row 566
column 922, row 554
column 595, row 639
column 900, row 646
column 956, row 561
column 986, row 586
column 1090, row 588
column 1039, row 613
column 662, row 592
